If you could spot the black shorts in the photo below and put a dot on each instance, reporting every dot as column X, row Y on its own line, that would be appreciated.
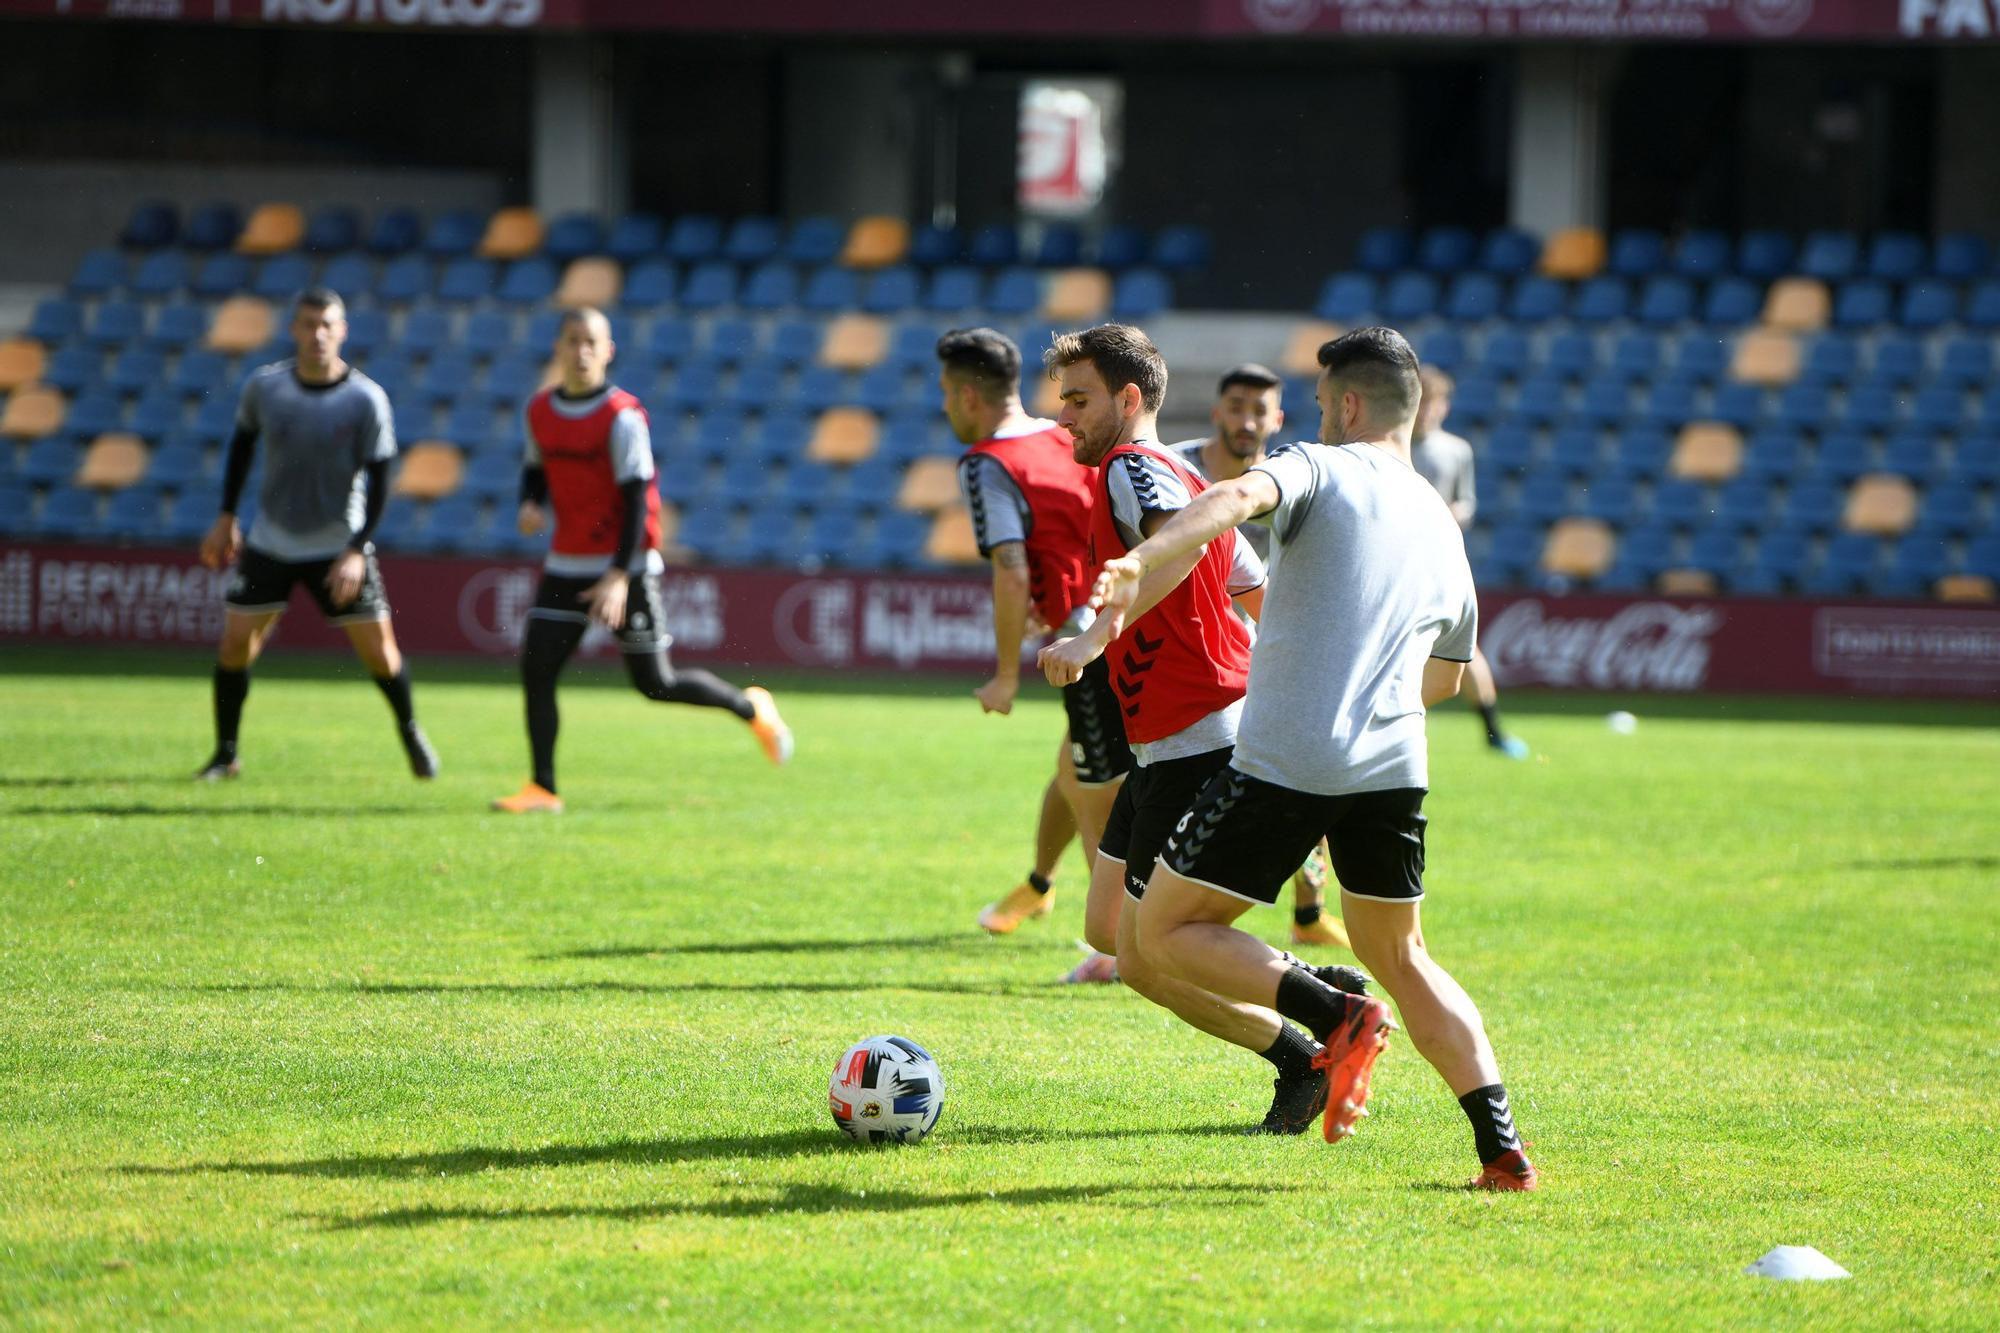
column 1151, row 802
column 264, row 583
column 560, row 598
column 1245, row 837
column 1096, row 727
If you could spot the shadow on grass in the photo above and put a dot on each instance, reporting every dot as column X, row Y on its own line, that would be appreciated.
column 636, row 1152
column 150, row 779
column 962, row 939
column 1042, row 989
column 792, row 1199
column 146, row 810
column 1930, row 863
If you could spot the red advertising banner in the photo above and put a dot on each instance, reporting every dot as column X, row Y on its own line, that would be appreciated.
column 942, row 623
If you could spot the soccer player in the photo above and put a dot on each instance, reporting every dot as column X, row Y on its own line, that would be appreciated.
column 1031, row 504
column 1246, row 414
column 328, row 436
column 1445, row 461
column 589, row 459
column 1370, row 617
column 1179, row 661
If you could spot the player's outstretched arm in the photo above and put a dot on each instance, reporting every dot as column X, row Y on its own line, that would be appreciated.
column 1064, row 660
column 1210, row 514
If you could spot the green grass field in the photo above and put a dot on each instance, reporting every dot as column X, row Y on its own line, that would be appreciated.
column 324, row 1047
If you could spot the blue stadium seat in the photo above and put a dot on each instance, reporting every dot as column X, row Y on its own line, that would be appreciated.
column 1939, row 409
column 515, row 375
column 1475, row 400
column 1061, row 246
column 1950, row 510
column 1610, row 497
column 1571, row 355
column 1966, row 361
column 405, row 279
column 137, row 513
column 733, row 341
column 1507, row 352
column 469, row 425
column 1473, row 298
column 634, row 237
column 178, row 326
column 670, row 341
column 152, row 224
column 648, row 284
column 487, row 332
column 1444, row 348
column 395, row 232
column 1804, row 406
column 1774, row 454
column 1346, row 298
column 1982, row 555
column 68, row 513
column 1744, row 504
column 692, row 387
column 1680, row 504
column 465, row 280
column 886, row 389
column 1015, row 291
column 1862, row 303
column 136, row 368
column 51, row 461
column 162, row 274
column 199, row 371
column 448, row 375
column 1848, row 563
column 931, row 245
column 832, row 289
column 1961, row 256
column 1982, row 307
column 1536, row 300
column 1731, row 302
column 351, row 274
column 1605, row 403
column 1782, row 554
column 995, row 245
column 572, row 236
column 709, row 285
column 797, row 341
column 526, row 281
column 1873, row 406
column 221, row 275
column 55, row 320
column 331, row 230
column 1915, row 563
column 1896, row 256
column 890, row 291
column 1446, row 249
column 1912, row 453
column 815, row 240
column 494, row 474
column 1831, row 358
column 1764, row 254
column 425, row 331
column 215, row 419
column 1716, row 549
column 212, row 227
column 1637, row 252
column 1384, row 250
column 818, row 388
column 1141, row 293
column 1843, row 455
column 1123, row 246
column 912, row 346
column 954, row 288
column 1410, row 296
column 1926, row 305
column 180, row 462
column 1509, row 251
column 1702, row 255
column 96, row 410
column 453, row 234
column 1740, row 405
column 1636, row 356
column 1830, row 256
column 695, row 238
column 770, row 286
column 1544, row 498
column 1576, row 451
column 752, row 240
column 757, row 387
column 116, row 323
column 1541, row 400
column 1515, row 551
column 282, row 277
column 1666, row 300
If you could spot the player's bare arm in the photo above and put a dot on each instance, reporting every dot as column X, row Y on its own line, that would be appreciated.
column 344, row 576
column 1212, row 513
column 1442, row 679
column 606, row 598
column 1010, row 620
column 222, row 543
column 528, row 520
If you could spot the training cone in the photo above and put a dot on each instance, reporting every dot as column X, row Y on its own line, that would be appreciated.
column 1797, row 1263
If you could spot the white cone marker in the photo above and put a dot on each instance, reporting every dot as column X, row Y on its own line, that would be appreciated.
column 1797, row 1263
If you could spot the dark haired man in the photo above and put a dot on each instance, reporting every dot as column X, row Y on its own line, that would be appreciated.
column 1030, row 505
column 1178, row 664
column 1445, row 461
column 589, row 459
column 328, row 436
column 1371, row 617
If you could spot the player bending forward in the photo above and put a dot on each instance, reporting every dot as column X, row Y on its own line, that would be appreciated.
column 1370, row 616
column 590, row 459
column 328, row 437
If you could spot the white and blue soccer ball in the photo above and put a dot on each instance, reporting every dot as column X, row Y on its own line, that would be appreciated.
column 886, row 1090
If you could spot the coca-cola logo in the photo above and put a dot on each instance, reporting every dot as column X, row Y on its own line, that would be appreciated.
column 814, row 622
column 493, row 608
column 1644, row 646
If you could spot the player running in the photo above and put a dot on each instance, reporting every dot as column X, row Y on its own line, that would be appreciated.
column 328, row 436
column 1031, row 505
column 1246, row 414
column 1179, row 665
column 1445, row 461
column 1370, row 617
column 589, row 459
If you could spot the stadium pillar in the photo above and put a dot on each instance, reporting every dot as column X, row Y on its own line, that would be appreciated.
column 852, row 144
column 1558, row 175
column 1968, row 170
column 582, row 150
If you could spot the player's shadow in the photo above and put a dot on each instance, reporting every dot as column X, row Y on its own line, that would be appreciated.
column 956, row 940
column 1930, row 863
column 637, row 1152
column 146, row 810
column 1040, row 989
column 790, row 1200
column 150, row 779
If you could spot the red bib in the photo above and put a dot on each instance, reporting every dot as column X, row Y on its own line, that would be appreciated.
column 1190, row 655
column 1060, row 499
column 583, row 492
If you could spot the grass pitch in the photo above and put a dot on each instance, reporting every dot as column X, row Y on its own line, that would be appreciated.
column 325, row 1047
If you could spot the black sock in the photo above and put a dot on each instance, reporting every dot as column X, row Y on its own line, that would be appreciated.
column 1492, row 1118
column 1490, row 715
column 1292, row 1053
column 396, row 689
column 653, row 676
column 1039, row 882
column 1306, row 999
column 1305, row 916
column 231, row 689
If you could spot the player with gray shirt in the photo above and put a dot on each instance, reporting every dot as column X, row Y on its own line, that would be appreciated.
column 1369, row 619
column 328, row 435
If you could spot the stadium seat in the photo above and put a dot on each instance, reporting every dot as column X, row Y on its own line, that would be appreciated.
column 272, row 229
column 282, row 277
column 1637, row 252
column 1015, row 291
column 1541, row 400
column 55, row 320
column 73, row 366
column 1507, row 352
column 331, row 230
column 695, row 238
column 1717, row 550
column 1799, row 304
column 448, row 375
column 1544, row 498
column 1536, row 300
column 648, row 284
column 163, row 274
column 1938, row 408
column 1774, row 454
column 1571, row 355
column 395, row 232
column 1411, row 296
column 1765, row 356
column 1744, row 503
column 488, row 332
column 929, row 484
column 465, row 280
column 1141, row 293
column 1882, row 504
column 1731, row 302
column 137, row 514
column 831, row 289
column 932, row 245
column 1060, row 246
column 1830, row 256
column 1574, row 254
column 221, row 275
column 1123, row 245
column 405, row 279
column 426, row 331
column 116, row 323
column 50, row 461
column 1965, row 361
column 68, row 513
column 32, row 412
column 953, row 289
column 733, row 341
column 114, row 461
column 1781, row 557
column 1687, row 583
column 1446, row 249
column 1702, row 255
column 1862, row 303
column 1928, row 305
column 1804, row 407
column 430, row 470
column 1681, row 504
column 854, row 342
column 1964, row 588
column 709, row 285
column 635, row 237
column 1738, row 405
column 1576, row 451
column 1609, row 497
column 136, row 368
column 886, row 389
column 99, row 408
column 1950, row 511
column 1606, row 403
column 176, row 326
column 1764, row 254
column 891, row 290
column 1473, row 298
column 1844, row 453
column 212, row 227
column 814, row 241
column 1077, row 296
column 951, row 541
column 1508, row 251
column 1875, row 407
column 1982, row 306
column 876, row 242
column 1813, row 506
column 525, row 282
column 1347, row 298
column 1666, row 300
column 152, row 224
column 1898, row 361
column 572, row 236
column 1181, row 248
column 454, row 234
column 1510, row 448
column 1831, row 359
column 1895, row 256
column 1961, row 256
column 511, row 234
column 994, row 246
column 1384, row 250
column 21, row 362
column 1707, row 451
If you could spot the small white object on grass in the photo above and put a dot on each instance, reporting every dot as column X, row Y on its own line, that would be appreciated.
column 1621, row 722
column 1797, row 1263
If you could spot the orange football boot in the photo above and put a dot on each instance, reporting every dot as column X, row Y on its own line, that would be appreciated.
column 1349, row 1060
column 768, row 727
column 532, row 799
column 1509, row 1173
column 1023, row 903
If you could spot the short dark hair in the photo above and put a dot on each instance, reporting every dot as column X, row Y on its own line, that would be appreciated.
column 1121, row 353
column 318, row 298
column 1378, row 364
column 985, row 358
column 1251, row 376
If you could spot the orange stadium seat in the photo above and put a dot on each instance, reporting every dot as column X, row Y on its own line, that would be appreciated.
column 844, row 435
column 1765, row 356
column 876, row 242
column 1077, row 294
column 1707, row 451
column 1799, row 304
column 512, row 233
column 241, row 324
column 1881, row 503
column 272, row 230
column 1687, row 583
column 854, row 342
column 1574, row 253
column 431, row 470
column 21, row 362
column 1581, row 548
column 1301, row 354
column 34, row 410
column 670, row 525
column 591, row 281
column 1046, row 400
column 114, row 461
column 930, row 484
column 952, row 541
column 1964, row 588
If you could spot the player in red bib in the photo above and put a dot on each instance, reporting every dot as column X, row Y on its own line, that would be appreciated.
column 589, row 459
column 1179, row 669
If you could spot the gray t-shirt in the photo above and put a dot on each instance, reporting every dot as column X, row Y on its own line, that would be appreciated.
column 1445, row 461
column 1259, row 537
column 1369, row 580
column 631, row 460
column 1137, row 485
column 317, row 441
column 999, row 510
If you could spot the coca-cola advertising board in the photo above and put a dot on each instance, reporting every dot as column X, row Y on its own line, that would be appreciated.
column 942, row 623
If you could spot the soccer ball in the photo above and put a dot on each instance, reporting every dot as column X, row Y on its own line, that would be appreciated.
column 886, row 1090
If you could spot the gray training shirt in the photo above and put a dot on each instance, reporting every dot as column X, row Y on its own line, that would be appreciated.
column 317, row 442
column 1369, row 580
column 1259, row 537
column 1445, row 461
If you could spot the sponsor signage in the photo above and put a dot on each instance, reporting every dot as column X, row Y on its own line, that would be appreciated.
column 942, row 623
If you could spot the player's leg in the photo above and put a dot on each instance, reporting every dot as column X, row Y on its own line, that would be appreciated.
column 366, row 622
column 1310, row 922
column 1486, row 698
column 644, row 641
column 1055, row 829
column 552, row 635
column 256, row 597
